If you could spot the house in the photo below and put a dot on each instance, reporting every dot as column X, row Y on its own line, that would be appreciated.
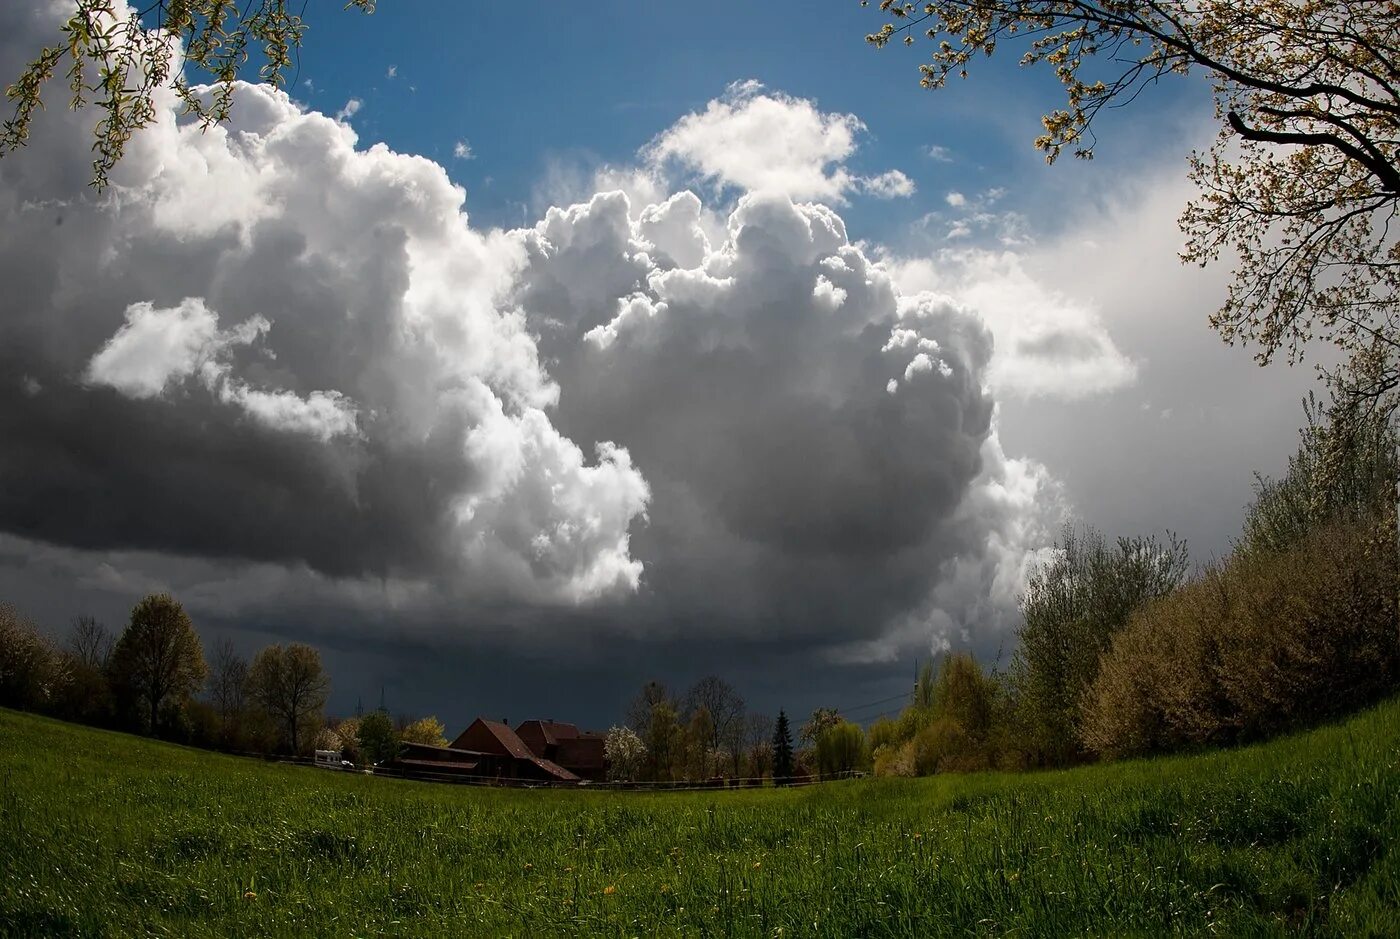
column 579, row 752
column 504, row 755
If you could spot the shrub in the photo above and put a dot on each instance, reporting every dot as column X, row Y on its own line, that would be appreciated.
column 1072, row 608
column 1263, row 643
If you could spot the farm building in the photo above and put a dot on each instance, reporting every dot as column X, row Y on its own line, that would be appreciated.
column 512, row 759
column 580, row 752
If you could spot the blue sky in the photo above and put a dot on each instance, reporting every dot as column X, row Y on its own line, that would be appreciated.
column 567, row 88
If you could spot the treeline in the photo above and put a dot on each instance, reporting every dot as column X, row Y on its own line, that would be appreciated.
column 154, row 678
column 708, row 734
column 1121, row 653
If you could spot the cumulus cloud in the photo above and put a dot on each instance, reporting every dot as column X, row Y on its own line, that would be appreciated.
column 813, row 437
column 349, row 109
column 462, row 150
column 376, row 409
column 758, row 140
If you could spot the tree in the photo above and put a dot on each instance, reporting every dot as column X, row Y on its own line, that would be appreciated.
column 227, row 685
column 724, row 709
column 87, row 694
column 377, row 741
column 425, row 730
column 289, row 683
column 116, row 59
column 699, row 735
column 664, row 741
column 1302, row 184
column 758, row 744
column 1071, row 610
column 639, row 712
column 348, row 730
column 782, row 751
column 158, row 660
column 32, row 672
column 821, row 719
column 840, row 749
column 1344, row 471
column 90, row 642
column 625, row 753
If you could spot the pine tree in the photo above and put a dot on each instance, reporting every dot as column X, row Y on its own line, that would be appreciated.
column 782, row 751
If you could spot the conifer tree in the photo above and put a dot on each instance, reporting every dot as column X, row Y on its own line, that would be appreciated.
column 782, row 751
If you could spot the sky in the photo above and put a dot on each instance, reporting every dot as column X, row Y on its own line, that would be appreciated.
column 517, row 360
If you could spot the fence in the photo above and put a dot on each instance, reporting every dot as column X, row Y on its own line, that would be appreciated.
column 716, row 784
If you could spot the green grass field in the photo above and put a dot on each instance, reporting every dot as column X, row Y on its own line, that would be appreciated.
column 105, row 834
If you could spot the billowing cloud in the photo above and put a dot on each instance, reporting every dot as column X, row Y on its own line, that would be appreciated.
column 265, row 344
column 752, row 382
column 758, row 140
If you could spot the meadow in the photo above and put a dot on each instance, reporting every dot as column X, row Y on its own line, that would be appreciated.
column 103, row 834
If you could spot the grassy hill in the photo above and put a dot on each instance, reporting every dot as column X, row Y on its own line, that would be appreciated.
column 105, row 834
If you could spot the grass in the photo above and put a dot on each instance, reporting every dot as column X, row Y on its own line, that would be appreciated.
column 103, row 834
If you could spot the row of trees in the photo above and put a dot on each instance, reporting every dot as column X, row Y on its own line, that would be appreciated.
column 1122, row 653
column 708, row 734
column 154, row 678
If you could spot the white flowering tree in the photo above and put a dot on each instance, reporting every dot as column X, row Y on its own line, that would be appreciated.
column 625, row 753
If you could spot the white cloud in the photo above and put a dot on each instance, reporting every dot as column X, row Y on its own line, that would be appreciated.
column 393, row 72
column 762, row 141
column 889, row 185
column 350, row 109
column 955, row 199
column 462, row 150
column 939, row 154
column 1048, row 343
column 155, row 348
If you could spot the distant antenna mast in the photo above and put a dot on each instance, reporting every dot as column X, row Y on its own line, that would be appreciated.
column 381, row 700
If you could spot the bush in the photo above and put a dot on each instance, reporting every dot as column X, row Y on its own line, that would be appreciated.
column 959, row 721
column 1262, row 644
column 1071, row 610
